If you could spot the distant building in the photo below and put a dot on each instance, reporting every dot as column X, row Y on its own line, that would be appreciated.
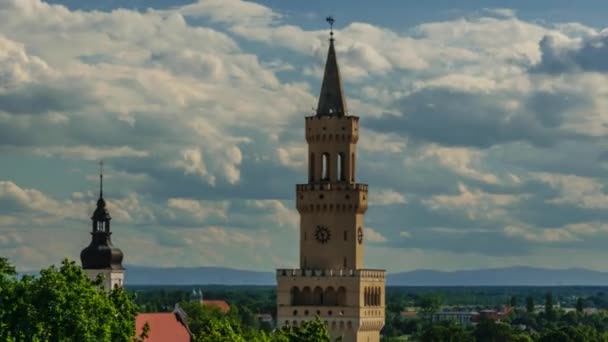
column 221, row 304
column 265, row 319
column 462, row 317
column 100, row 257
column 165, row 326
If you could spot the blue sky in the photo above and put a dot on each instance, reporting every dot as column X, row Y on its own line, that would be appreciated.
column 484, row 129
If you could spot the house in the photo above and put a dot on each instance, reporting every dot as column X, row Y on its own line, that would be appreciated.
column 221, row 304
column 265, row 319
column 164, row 326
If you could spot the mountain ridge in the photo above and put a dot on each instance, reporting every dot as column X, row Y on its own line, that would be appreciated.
column 507, row 276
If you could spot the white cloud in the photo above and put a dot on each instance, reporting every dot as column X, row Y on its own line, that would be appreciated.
column 372, row 235
column 460, row 160
column 199, row 210
column 385, row 197
column 475, row 203
column 90, row 152
column 569, row 233
column 576, row 190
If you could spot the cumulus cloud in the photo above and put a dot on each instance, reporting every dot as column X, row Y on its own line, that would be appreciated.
column 481, row 133
column 570, row 55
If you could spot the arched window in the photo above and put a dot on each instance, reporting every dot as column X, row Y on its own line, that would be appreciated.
column 341, row 296
column 325, row 167
column 331, row 297
column 318, row 296
column 340, row 167
column 311, row 166
column 296, row 298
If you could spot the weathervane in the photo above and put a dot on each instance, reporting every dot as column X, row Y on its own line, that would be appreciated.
column 331, row 21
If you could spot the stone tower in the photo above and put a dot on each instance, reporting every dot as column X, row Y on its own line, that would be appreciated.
column 332, row 282
column 101, row 257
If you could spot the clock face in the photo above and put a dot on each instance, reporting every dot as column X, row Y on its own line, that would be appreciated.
column 360, row 235
column 322, row 234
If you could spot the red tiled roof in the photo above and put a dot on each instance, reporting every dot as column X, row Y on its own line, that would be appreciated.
column 221, row 304
column 164, row 327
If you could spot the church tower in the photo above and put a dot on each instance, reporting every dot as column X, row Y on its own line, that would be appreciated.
column 332, row 282
column 101, row 257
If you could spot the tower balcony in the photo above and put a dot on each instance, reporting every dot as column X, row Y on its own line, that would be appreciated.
column 344, row 197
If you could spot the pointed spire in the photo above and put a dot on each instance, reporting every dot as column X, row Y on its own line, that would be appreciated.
column 331, row 99
column 101, row 179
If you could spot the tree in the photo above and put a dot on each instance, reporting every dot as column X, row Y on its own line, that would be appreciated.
column 429, row 305
column 310, row 331
column 549, row 305
column 445, row 331
column 62, row 304
column 530, row 305
column 513, row 301
column 579, row 305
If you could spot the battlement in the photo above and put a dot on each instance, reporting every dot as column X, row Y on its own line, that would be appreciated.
column 361, row 273
column 332, row 129
column 343, row 197
column 332, row 187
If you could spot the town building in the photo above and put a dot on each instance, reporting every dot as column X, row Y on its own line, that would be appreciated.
column 164, row 326
column 331, row 281
column 100, row 257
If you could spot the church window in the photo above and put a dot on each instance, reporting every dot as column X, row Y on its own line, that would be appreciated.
column 345, row 235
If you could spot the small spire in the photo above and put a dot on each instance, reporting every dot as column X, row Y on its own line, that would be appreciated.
column 101, row 179
column 331, row 99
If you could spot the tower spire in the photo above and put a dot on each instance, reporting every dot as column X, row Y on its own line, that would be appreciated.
column 331, row 99
column 101, row 179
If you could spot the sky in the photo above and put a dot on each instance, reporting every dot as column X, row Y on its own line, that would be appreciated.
column 483, row 129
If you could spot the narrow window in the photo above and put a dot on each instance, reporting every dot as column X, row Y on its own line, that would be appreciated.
column 340, row 167
column 311, row 165
column 345, row 235
column 344, row 262
column 352, row 167
column 325, row 167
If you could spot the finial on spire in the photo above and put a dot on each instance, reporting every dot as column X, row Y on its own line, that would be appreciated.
column 331, row 21
column 101, row 179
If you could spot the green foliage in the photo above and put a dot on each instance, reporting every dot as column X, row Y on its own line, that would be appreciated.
column 429, row 305
column 579, row 305
column 530, row 305
column 62, row 304
column 549, row 305
column 445, row 331
column 209, row 324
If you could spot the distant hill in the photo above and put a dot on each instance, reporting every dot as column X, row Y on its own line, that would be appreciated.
column 510, row 276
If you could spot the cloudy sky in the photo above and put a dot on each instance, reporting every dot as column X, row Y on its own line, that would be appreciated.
column 483, row 128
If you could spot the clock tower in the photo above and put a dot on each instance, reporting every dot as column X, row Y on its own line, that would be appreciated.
column 331, row 282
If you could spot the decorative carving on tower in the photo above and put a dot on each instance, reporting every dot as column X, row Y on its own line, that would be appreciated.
column 100, row 256
column 331, row 281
